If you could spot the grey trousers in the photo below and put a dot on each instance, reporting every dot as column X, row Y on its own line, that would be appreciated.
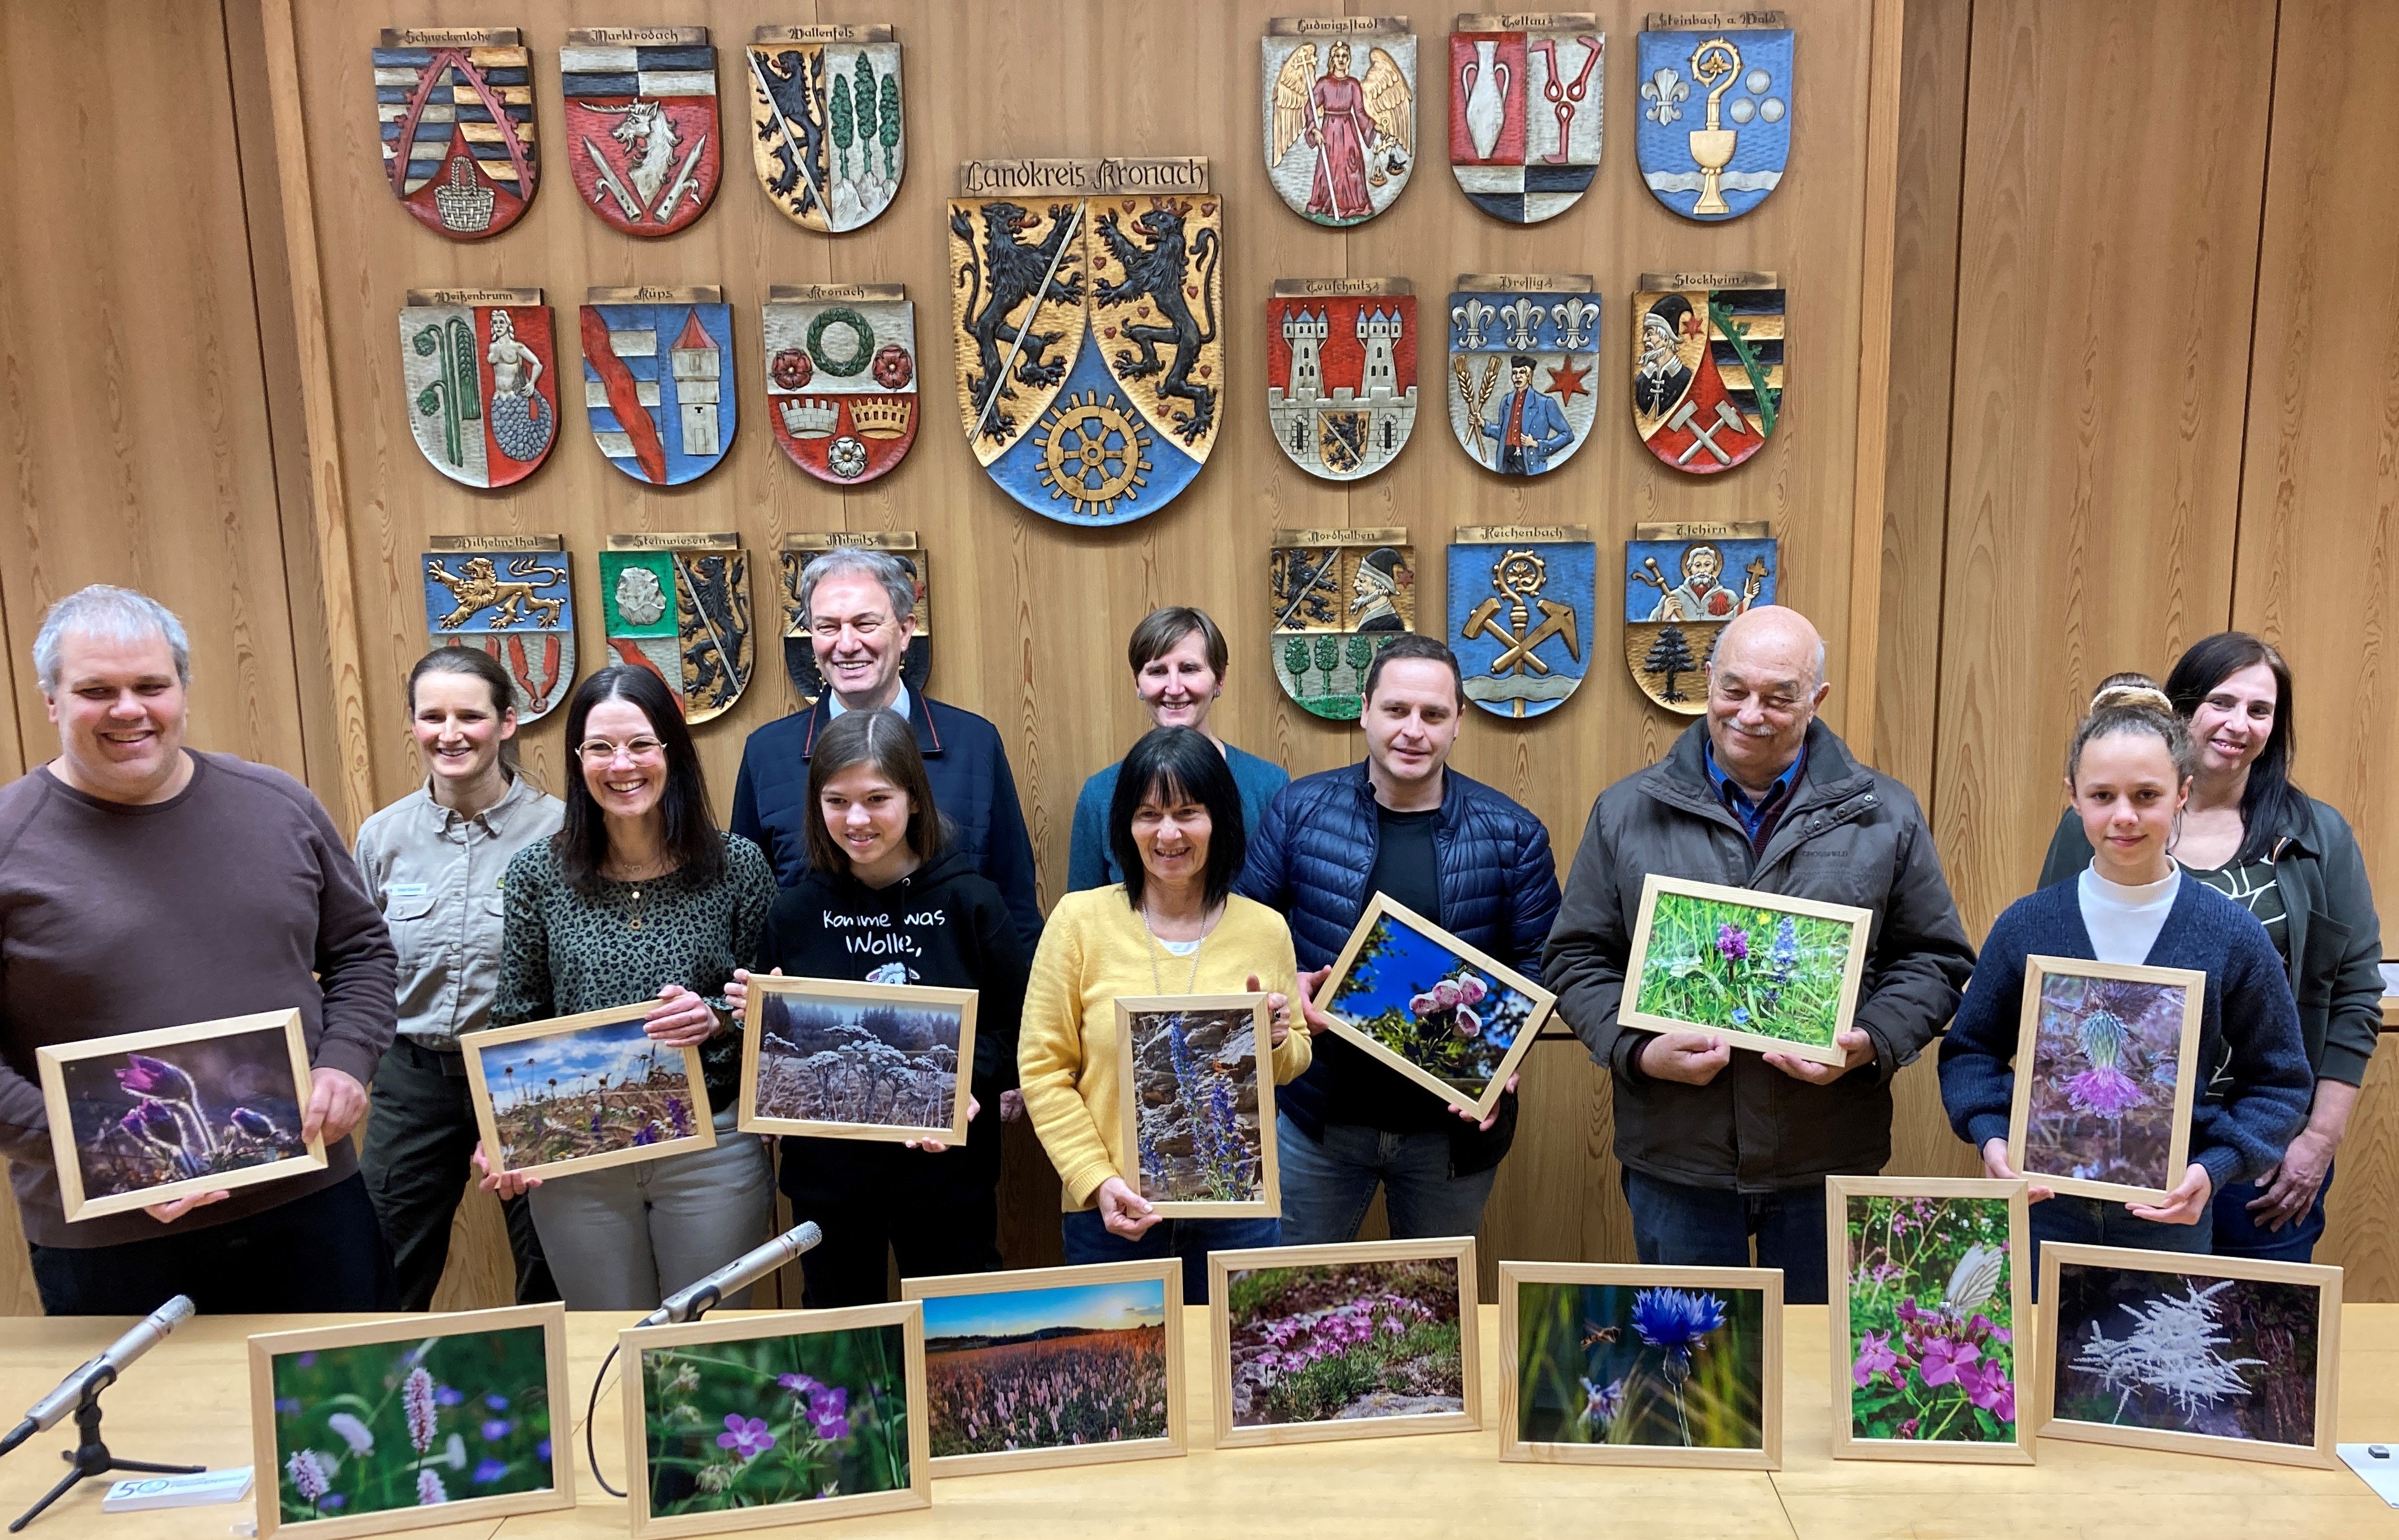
column 626, row 1237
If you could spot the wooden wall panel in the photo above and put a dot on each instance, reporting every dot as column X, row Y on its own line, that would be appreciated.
column 2115, row 154
column 131, row 390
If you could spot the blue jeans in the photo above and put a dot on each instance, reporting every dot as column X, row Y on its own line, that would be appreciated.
column 2106, row 1222
column 1328, row 1184
column 1089, row 1240
column 1679, row 1226
column 2239, row 1234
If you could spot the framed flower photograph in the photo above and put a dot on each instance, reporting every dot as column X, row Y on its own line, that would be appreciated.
column 1604, row 1363
column 2225, row 1356
column 1364, row 1341
column 1053, row 1366
column 1759, row 970
column 2105, row 1069
column 841, row 1060
column 755, row 1421
column 1448, row 1016
column 1197, row 1103
column 584, row 1092
column 413, row 1422
column 147, row 1117
column 1930, row 1327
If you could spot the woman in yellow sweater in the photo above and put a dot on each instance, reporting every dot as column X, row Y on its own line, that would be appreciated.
column 1173, row 926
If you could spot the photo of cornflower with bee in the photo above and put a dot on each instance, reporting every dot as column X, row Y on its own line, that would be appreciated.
column 2100, row 1101
column 1760, row 969
column 1683, row 1363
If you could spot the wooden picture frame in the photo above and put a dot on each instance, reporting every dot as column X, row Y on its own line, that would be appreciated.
column 272, row 1458
column 1457, row 1250
column 1655, row 887
column 634, row 1341
column 2057, row 1340
column 2013, row 1294
column 475, row 1045
column 53, row 1061
column 1166, row 1273
column 1766, row 1282
column 765, row 987
column 1382, row 908
column 2039, row 970
column 1269, row 1201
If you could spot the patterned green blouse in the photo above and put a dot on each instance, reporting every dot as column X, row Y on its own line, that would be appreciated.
column 562, row 952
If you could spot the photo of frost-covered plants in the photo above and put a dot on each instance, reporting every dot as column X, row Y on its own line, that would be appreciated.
column 587, row 1093
column 185, row 1110
column 1343, row 1340
column 782, row 1419
column 2233, row 1357
column 1441, row 1013
column 832, row 1059
column 1931, row 1339
column 1613, row 1364
column 2106, row 1056
column 1196, row 1106
column 1738, row 967
column 404, row 1424
column 1023, row 1368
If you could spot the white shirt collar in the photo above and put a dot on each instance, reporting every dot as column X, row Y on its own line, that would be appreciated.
column 835, row 707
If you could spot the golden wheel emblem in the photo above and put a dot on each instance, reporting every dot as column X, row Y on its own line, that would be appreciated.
column 1093, row 454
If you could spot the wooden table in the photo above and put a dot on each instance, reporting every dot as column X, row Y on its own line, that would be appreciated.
column 188, row 1401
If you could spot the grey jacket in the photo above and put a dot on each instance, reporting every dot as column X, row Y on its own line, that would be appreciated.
column 1852, row 836
column 2334, row 950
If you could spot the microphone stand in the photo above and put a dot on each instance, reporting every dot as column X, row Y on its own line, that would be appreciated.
column 90, row 1456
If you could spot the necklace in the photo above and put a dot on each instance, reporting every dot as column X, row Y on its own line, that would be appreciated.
column 1149, row 934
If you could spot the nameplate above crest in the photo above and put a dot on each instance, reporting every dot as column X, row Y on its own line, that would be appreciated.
column 1084, row 178
column 674, row 542
column 1393, row 536
column 1655, row 283
column 825, row 31
column 704, row 293
column 636, row 37
column 1500, row 534
column 495, row 542
column 860, row 540
column 1712, row 21
column 1759, row 530
column 1338, row 26
column 1524, row 21
column 473, row 296
column 1524, row 283
column 1304, row 288
column 819, row 293
column 446, row 37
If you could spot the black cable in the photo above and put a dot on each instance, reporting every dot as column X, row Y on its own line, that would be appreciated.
column 590, row 1417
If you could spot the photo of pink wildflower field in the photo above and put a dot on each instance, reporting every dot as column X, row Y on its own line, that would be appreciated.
column 2101, row 1106
column 1931, row 1325
column 1345, row 1339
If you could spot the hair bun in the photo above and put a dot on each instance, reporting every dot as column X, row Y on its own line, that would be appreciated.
column 2118, row 696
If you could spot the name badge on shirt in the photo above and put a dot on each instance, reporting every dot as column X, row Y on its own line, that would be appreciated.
column 401, row 893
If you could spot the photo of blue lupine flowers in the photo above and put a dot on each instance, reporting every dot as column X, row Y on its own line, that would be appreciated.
column 1716, row 964
column 590, row 1091
column 791, row 1418
column 1194, row 1096
column 182, row 1111
column 1442, row 1013
column 1615, row 1364
column 412, row 1424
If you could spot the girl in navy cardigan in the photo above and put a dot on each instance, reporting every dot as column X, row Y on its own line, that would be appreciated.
column 2128, row 775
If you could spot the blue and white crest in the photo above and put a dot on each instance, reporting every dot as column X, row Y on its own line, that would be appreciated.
column 658, row 365
column 511, row 597
column 1523, row 607
column 1523, row 348
column 1715, row 112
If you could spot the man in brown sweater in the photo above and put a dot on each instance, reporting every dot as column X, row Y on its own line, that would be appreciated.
column 143, row 884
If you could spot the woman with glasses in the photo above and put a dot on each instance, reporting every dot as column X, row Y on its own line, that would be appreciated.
column 640, row 898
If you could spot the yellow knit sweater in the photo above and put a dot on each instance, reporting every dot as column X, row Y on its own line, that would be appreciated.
column 1095, row 950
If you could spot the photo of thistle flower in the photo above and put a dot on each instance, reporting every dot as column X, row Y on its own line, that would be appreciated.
column 2232, row 1357
column 1195, row 1105
column 201, row 1108
column 1414, row 991
column 1626, row 1364
column 1931, row 1323
column 2106, row 1059
column 1717, row 965
column 409, row 1423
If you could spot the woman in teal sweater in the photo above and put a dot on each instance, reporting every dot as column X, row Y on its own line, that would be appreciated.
column 1178, row 659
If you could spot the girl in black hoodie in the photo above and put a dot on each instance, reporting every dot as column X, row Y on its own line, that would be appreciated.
column 886, row 900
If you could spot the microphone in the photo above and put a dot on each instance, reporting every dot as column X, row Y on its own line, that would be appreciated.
column 101, row 1372
column 690, row 1303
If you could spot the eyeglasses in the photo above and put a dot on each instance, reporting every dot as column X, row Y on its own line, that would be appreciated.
column 600, row 750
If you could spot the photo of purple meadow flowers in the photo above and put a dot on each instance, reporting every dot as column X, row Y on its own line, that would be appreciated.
column 1616, row 1364
column 2105, row 1057
column 1932, row 1338
column 1343, row 1340
column 783, row 1419
column 184, row 1110
column 2232, row 1357
column 414, row 1424
column 590, row 1091
column 1196, row 1105
column 1742, row 967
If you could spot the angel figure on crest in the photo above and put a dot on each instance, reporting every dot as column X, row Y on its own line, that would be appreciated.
column 1359, row 129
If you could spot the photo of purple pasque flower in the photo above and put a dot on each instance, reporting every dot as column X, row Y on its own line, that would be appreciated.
column 2103, row 1089
column 748, row 1437
column 1677, row 1322
column 1453, row 997
column 146, row 1076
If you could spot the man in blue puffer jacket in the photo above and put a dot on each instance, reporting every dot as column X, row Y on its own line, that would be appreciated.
column 1455, row 851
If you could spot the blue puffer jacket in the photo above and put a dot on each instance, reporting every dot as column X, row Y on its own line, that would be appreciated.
column 1313, row 854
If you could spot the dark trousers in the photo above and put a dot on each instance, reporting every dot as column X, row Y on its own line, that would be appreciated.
column 2238, row 1234
column 930, row 1232
column 318, row 1252
column 1679, row 1226
column 1088, row 1239
column 420, row 1140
